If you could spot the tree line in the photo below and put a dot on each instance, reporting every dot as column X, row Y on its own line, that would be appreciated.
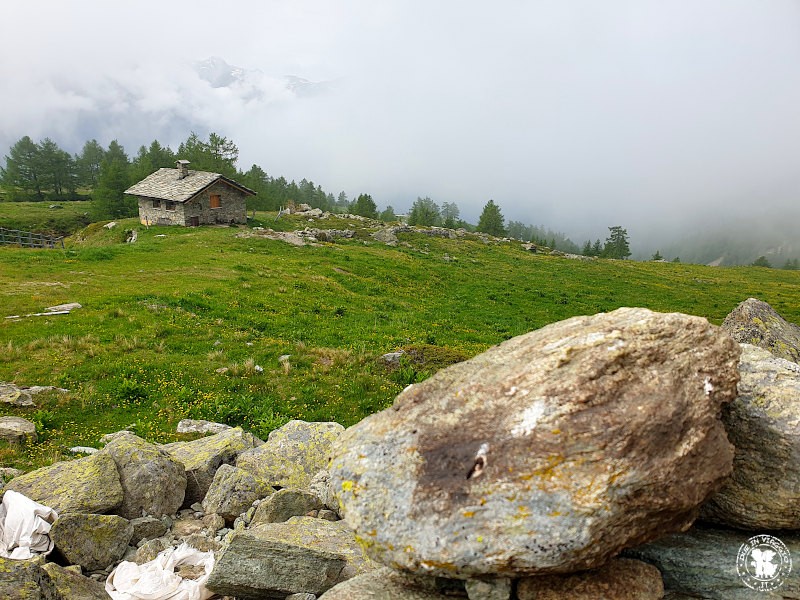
column 42, row 171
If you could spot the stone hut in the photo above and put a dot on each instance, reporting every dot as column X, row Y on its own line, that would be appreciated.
column 181, row 196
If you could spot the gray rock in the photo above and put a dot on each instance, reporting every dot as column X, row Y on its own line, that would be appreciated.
column 548, row 453
column 302, row 555
column 85, row 485
column 703, row 563
column 26, row 580
column 153, row 482
column 11, row 394
column 147, row 528
column 757, row 323
column 83, row 450
column 384, row 584
column 233, row 491
column 285, row 504
column 293, row 454
column 301, row 597
column 8, row 473
column 200, row 426
column 392, row 359
column 321, row 486
column 17, row 430
column 490, row 589
column 74, row 586
column 150, row 549
column 91, row 541
column 387, row 235
column 618, row 579
column 763, row 492
column 201, row 458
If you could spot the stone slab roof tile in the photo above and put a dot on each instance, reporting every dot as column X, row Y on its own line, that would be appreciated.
column 164, row 184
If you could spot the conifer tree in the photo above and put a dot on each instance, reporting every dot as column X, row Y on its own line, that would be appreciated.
column 492, row 220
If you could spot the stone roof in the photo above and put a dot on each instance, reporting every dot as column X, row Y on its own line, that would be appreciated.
column 165, row 184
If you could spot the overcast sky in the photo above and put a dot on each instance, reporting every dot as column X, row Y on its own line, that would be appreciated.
column 573, row 114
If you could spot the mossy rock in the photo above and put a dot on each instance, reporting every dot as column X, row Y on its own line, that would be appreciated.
column 275, row 560
column 293, row 454
column 757, row 323
column 25, row 580
column 202, row 457
column 85, row 485
column 74, row 586
column 91, row 541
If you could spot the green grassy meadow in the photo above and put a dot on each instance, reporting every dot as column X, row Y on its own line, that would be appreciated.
column 39, row 217
column 181, row 323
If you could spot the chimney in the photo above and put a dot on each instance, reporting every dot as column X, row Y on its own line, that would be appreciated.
column 183, row 168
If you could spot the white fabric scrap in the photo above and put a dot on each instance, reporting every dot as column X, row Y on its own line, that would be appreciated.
column 158, row 580
column 24, row 526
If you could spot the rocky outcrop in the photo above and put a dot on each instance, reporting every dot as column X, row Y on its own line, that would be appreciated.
column 153, row 483
column 763, row 492
column 85, row 485
column 549, row 453
column 293, row 454
column 303, row 555
column 702, row 563
column 17, row 430
column 233, row 491
column 201, row 458
column 757, row 323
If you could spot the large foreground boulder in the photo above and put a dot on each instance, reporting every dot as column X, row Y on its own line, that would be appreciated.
column 763, row 492
column 292, row 454
column 86, row 485
column 548, row 453
column 153, row 482
column 704, row 563
column 302, row 555
column 755, row 322
column 201, row 458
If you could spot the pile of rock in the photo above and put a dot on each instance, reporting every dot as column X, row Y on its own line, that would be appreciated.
column 570, row 462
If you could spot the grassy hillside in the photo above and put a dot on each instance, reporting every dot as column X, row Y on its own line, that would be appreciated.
column 63, row 219
column 181, row 323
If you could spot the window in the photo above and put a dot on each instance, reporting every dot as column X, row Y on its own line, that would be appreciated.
column 216, row 201
column 156, row 203
column 170, row 205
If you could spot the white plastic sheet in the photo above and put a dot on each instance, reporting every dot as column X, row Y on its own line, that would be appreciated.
column 24, row 526
column 158, row 580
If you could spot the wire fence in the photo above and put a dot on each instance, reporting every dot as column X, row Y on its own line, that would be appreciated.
column 29, row 239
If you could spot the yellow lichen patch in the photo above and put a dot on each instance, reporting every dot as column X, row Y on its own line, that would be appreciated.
column 468, row 513
column 523, row 512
